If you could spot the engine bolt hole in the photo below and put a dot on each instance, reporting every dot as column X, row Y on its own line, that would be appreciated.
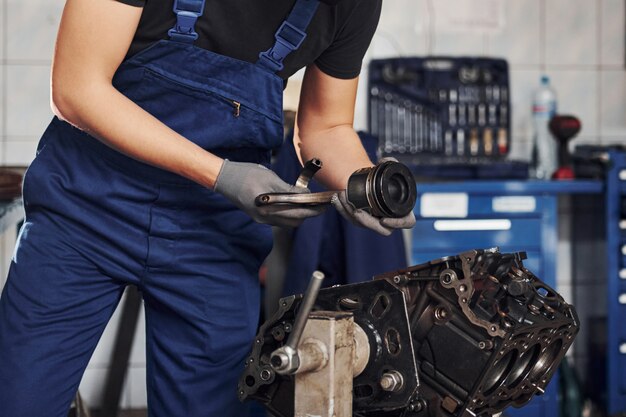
column 441, row 313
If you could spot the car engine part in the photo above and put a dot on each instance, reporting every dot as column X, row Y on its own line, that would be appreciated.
column 384, row 190
column 465, row 335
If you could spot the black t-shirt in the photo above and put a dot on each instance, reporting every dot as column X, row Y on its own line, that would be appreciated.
column 337, row 38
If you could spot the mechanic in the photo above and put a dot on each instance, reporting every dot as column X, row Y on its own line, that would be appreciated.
column 147, row 176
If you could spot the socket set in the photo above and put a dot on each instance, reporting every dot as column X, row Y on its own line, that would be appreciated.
column 454, row 108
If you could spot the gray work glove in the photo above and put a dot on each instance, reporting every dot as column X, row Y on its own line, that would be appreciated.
column 385, row 225
column 242, row 182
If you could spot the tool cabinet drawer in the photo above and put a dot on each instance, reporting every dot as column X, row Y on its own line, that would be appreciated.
column 430, row 234
column 622, row 367
column 463, row 205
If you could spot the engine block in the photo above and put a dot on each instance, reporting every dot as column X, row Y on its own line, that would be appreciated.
column 469, row 335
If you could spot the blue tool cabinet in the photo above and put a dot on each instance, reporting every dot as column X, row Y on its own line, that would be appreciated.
column 513, row 215
column 616, row 283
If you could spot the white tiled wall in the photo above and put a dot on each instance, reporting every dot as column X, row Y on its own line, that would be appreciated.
column 27, row 31
column 578, row 43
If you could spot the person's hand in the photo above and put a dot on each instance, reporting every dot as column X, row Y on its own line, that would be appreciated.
column 385, row 225
column 242, row 182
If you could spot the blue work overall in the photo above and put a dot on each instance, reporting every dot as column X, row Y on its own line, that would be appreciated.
column 97, row 220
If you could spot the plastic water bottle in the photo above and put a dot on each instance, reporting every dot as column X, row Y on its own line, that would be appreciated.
column 544, row 146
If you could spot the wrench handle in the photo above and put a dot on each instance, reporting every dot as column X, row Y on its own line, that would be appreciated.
column 305, row 308
column 310, row 199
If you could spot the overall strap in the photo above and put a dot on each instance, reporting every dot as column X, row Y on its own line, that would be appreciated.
column 290, row 35
column 187, row 13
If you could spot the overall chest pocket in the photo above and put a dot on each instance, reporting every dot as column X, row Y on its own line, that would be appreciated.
column 203, row 115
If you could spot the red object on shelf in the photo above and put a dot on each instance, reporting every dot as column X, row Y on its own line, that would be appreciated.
column 563, row 173
column 564, row 128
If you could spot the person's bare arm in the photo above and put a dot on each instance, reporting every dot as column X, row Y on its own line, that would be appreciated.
column 324, row 130
column 324, row 127
column 93, row 39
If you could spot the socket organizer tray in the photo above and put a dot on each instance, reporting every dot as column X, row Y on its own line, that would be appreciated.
column 449, row 110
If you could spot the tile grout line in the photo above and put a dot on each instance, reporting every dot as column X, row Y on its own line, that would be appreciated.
column 4, row 103
column 26, row 62
column 543, row 16
column 599, row 10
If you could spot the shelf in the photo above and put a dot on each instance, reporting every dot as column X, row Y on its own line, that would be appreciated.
column 530, row 187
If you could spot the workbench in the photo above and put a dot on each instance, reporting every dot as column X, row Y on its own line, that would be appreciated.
column 453, row 217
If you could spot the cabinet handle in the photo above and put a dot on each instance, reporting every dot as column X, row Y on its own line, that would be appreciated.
column 469, row 225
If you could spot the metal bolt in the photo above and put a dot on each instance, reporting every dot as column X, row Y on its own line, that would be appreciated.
column 279, row 360
column 392, row 381
column 447, row 278
column 485, row 345
column 265, row 375
column 419, row 406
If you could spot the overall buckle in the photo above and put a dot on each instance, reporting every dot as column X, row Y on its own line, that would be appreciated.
column 184, row 30
column 288, row 39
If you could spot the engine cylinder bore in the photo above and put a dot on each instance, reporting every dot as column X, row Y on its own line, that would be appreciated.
column 500, row 372
column 385, row 190
column 523, row 366
column 546, row 361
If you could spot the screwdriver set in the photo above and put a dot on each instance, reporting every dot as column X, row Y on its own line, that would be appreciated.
column 455, row 110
